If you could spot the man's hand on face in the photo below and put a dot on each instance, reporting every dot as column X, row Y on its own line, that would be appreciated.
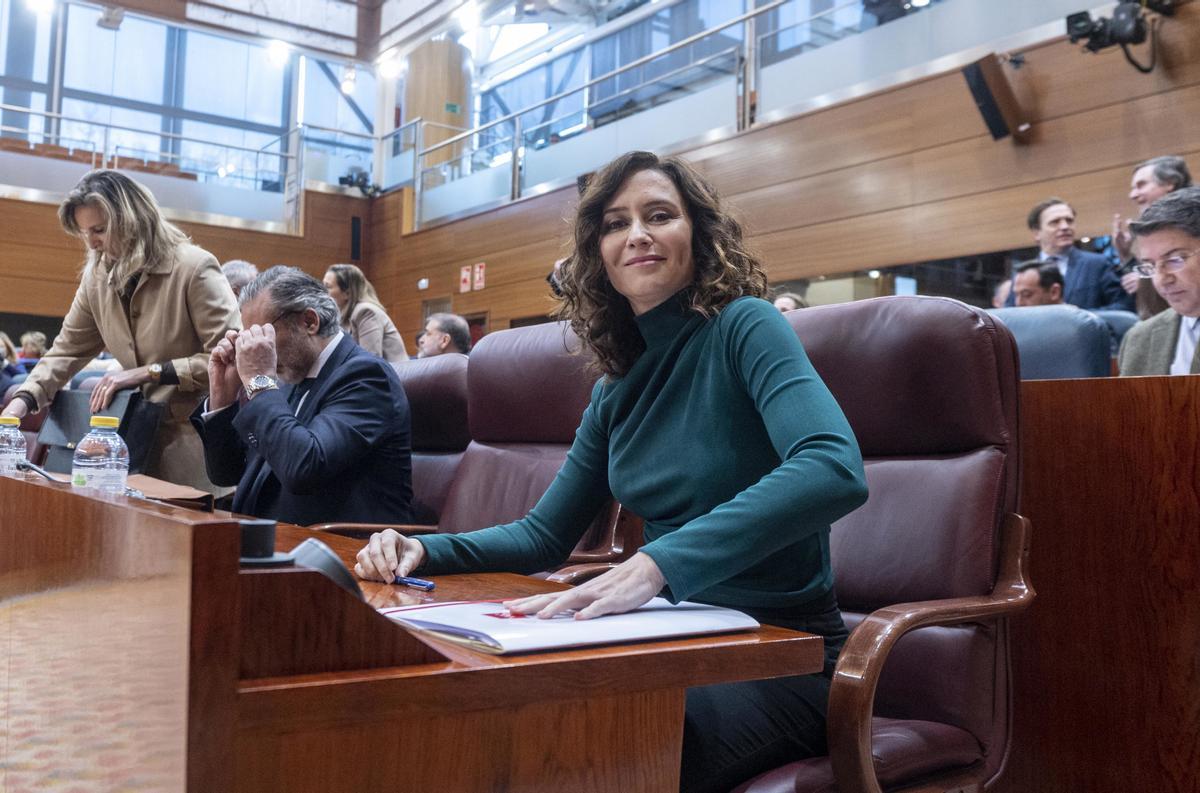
column 255, row 352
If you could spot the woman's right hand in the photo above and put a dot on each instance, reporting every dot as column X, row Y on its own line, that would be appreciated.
column 16, row 408
column 389, row 554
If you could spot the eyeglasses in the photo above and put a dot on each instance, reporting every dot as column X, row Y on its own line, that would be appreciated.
column 281, row 316
column 1168, row 264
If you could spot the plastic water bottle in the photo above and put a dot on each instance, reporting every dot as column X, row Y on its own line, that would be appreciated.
column 101, row 459
column 12, row 445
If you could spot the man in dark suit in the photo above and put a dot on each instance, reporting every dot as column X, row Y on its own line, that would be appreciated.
column 1167, row 243
column 310, row 426
column 1090, row 281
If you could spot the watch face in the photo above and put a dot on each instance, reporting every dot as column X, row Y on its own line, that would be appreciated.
column 261, row 381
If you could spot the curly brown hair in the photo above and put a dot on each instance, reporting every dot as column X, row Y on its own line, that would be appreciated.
column 601, row 316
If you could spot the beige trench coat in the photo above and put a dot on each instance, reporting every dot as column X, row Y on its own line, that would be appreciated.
column 374, row 331
column 179, row 311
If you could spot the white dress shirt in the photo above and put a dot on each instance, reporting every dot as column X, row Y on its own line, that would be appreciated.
column 1185, row 348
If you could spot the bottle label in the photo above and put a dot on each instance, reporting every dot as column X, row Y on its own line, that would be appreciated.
column 106, row 480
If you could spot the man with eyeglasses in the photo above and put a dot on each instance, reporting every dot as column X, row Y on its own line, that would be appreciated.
column 1167, row 243
column 310, row 427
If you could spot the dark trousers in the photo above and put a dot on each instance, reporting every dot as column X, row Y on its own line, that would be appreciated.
column 734, row 731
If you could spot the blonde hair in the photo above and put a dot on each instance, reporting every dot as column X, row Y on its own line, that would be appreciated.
column 7, row 350
column 358, row 289
column 138, row 235
column 34, row 339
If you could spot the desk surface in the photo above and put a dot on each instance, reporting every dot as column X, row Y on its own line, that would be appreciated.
column 124, row 624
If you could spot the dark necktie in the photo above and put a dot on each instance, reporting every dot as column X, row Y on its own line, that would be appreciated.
column 298, row 391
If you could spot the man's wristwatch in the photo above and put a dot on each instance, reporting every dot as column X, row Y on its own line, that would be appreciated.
column 260, row 382
column 155, row 370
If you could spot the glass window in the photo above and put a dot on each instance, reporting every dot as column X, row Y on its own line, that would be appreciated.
column 326, row 106
column 208, row 152
column 127, row 63
column 231, row 78
column 87, row 118
column 24, row 42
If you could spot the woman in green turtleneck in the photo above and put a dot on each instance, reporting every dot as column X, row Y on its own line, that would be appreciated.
column 711, row 424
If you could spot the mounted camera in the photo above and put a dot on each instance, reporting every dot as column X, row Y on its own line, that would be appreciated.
column 1127, row 26
column 360, row 179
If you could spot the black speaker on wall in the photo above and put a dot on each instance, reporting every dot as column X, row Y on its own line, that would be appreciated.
column 994, row 97
column 355, row 238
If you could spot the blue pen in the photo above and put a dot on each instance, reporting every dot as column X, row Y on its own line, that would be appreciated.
column 415, row 583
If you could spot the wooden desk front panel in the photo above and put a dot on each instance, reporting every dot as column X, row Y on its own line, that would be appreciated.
column 94, row 641
column 627, row 742
column 1106, row 677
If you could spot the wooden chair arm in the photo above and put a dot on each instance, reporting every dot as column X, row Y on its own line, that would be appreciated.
column 852, row 693
column 578, row 573
column 361, row 531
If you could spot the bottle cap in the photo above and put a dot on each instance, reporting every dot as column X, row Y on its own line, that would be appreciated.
column 110, row 422
column 10, row 421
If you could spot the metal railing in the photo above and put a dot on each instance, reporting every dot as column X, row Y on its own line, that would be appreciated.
column 420, row 152
column 464, row 148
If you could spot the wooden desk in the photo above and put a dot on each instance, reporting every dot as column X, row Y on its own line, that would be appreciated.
column 134, row 652
column 1105, row 676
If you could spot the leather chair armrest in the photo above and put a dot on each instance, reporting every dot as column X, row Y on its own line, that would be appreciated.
column 852, row 693
column 578, row 573
column 362, row 531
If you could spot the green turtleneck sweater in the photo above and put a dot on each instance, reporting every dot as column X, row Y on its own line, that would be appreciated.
column 724, row 439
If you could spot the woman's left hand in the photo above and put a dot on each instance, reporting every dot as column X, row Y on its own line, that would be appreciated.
column 111, row 383
column 623, row 588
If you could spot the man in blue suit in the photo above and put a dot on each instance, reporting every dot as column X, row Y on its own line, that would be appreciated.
column 1090, row 280
column 311, row 427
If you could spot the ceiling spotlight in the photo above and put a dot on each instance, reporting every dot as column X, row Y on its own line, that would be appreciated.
column 919, row 3
column 390, row 65
column 872, row 273
column 467, row 16
column 349, row 80
column 278, row 52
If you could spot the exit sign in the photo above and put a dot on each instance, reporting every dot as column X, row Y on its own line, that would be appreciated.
column 452, row 107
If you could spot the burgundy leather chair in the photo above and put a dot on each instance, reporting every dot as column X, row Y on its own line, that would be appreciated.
column 526, row 392
column 437, row 398
column 929, row 569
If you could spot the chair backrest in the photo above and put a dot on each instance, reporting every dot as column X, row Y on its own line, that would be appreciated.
column 437, row 399
column 930, row 387
column 527, row 390
column 1119, row 322
column 1059, row 341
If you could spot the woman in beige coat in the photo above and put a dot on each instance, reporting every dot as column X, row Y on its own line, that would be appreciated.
column 157, row 302
column 363, row 316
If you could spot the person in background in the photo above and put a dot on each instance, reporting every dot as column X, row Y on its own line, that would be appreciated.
column 789, row 301
column 157, row 302
column 1151, row 180
column 238, row 273
column 310, row 427
column 1089, row 280
column 1167, row 242
column 1038, row 284
column 444, row 333
column 363, row 316
column 663, row 292
column 33, row 347
column 1003, row 290
column 8, row 363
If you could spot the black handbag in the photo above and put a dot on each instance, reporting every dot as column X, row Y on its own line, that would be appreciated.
column 70, row 419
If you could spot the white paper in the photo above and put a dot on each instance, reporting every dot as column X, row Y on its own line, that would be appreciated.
column 488, row 626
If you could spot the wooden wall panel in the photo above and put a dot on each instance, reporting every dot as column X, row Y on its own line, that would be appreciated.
column 909, row 174
column 40, row 265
